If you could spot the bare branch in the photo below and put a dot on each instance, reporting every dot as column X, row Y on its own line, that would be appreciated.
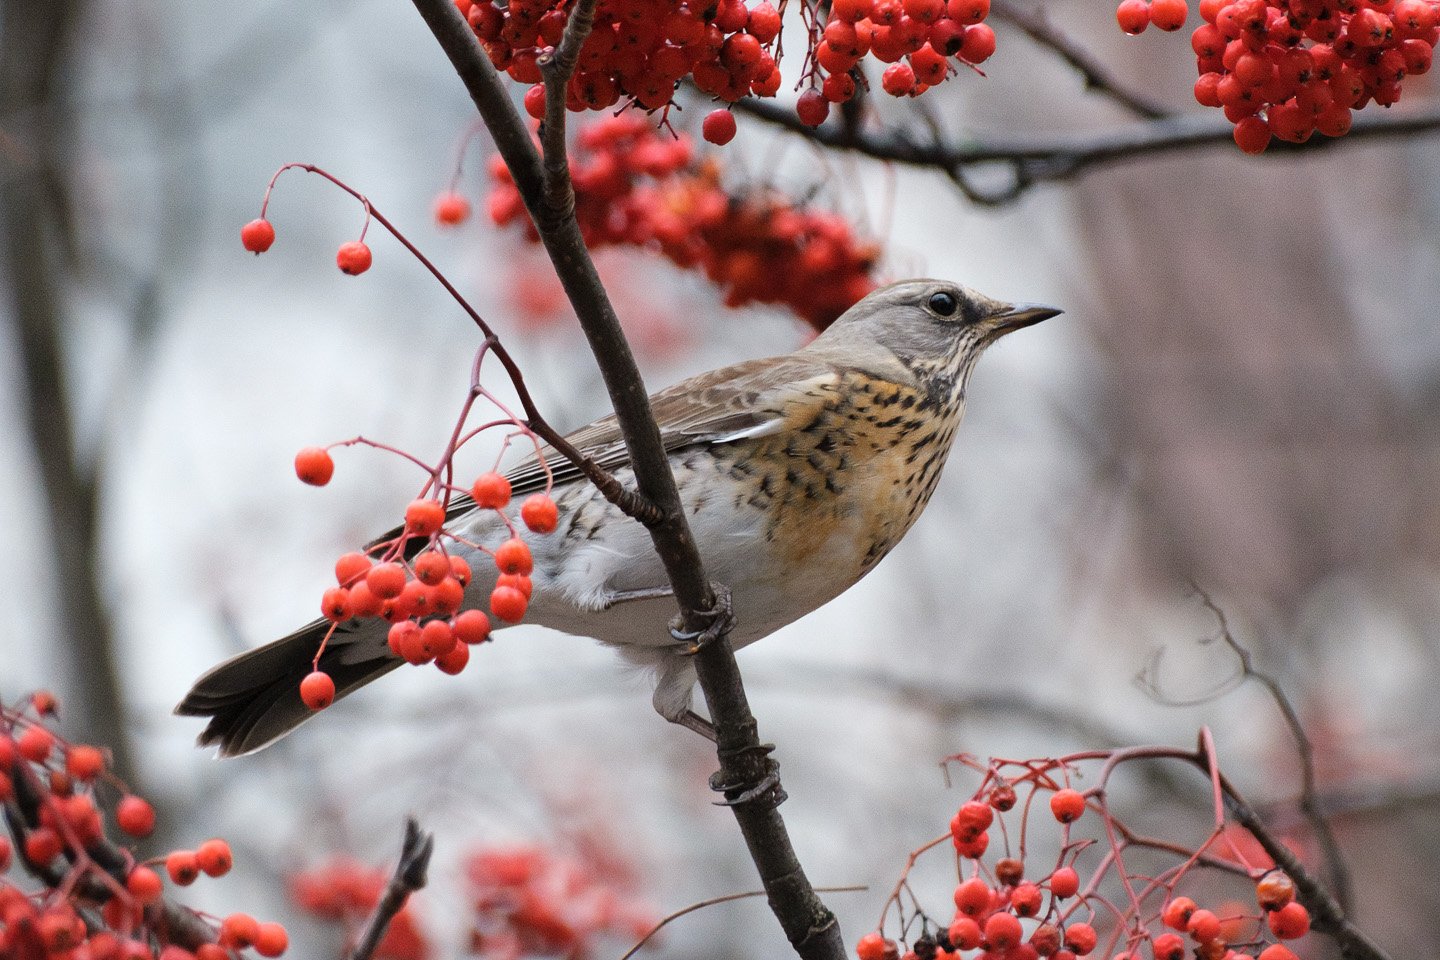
column 714, row 901
column 409, row 876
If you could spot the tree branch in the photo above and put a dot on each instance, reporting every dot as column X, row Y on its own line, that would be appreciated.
column 1024, row 162
column 809, row 925
column 410, row 875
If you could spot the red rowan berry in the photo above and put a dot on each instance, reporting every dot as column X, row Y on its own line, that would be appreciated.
column 1064, row 883
column 460, row 570
column 1002, row 931
column 35, row 744
column 271, row 940
column 7, row 752
column 386, row 580
column 472, row 627
column 314, row 466
column 453, row 660
column 513, row 556
column 491, row 491
column 813, row 107
column 898, row 79
column 1133, row 16
column 872, row 946
column 7, row 788
column 451, row 209
column 1274, row 891
column 1009, row 870
column 1177, row 913
column 965, row 933
column 42, row 845
column 540, row 513
column 135, row 816
column 1278, row 951
column 929, row 64
column 973, row 847
column 967, row 11
column 508, row 604
column 1045, row 939
column 978, row 44
column 718, row 127
column 257, row 236
column 1067, row 805
column 182, row 867
column 519, row 581
column 1081, row 938
column 1169, row 14
column 1290, row 921
column 6, row 852
column 431, row 567
column 973, row 817
column 1168, row 946
column 172, row 952
column 351, row 568
column 402, row 637
column 1001, row 797
column 144, row 884
column 424, row 517
column 447, row 596
column 852, row 10
column 973, row 898
column 1203, row 926
column 1025, row 899
column 437, row 639
column 335, row 604
column 44, row 703
column 214, row 856
column 210, row 951
column 317, row 690
column 764, row 22
column 535, row 102
column 239, row 931
column 353, row 258
column 1252, row 135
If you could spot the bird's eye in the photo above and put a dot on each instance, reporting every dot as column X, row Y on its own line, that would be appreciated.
column 944, row 304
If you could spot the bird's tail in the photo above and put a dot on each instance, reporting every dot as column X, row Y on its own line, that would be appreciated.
column 253, row 699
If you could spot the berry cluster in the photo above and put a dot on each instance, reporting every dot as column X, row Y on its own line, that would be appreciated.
column 96, row 900
column 916, row 38
column 1288, row 69
column 419, row 592
column 634, row 186
column 530, row 902
column 1011, row 908
column 344, row 891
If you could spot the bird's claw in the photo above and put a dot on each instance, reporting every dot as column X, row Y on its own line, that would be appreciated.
column 746, row 789
column 720, row 619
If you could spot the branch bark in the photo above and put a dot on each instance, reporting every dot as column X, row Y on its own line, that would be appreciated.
column 411, row 874
column 545, row 187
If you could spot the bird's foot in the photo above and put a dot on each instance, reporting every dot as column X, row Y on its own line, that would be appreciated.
column 748, row 774
column 719, row 620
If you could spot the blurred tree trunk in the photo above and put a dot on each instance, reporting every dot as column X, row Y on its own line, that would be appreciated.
column 35, row 119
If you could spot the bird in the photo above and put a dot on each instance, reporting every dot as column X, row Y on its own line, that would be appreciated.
column 797, row 475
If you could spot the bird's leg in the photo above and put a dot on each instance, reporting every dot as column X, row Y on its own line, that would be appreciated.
column 720, row 617
column 691, row 720
column 630, row 596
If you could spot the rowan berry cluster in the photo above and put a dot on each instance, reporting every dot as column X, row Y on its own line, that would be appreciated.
column 530, row 902
column 635, row 186
column 416, row 578
column 344, row 891
column 1289, row 69
column 93, row 899
column 1014, row 907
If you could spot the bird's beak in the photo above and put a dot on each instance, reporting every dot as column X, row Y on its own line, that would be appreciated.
column 1022, row 315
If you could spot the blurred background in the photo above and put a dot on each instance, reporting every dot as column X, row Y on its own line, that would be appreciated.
column 1243, row 393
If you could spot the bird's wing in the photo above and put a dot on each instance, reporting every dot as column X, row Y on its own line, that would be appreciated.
column 749, row 399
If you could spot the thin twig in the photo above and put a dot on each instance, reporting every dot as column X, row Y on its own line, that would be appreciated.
column 409, row 876
column 1037, row 26
column 713, row 901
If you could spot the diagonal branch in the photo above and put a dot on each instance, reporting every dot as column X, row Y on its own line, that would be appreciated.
column 410, row 875
column 809, row 925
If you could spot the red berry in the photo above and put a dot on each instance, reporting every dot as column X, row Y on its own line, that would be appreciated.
column 978, row 45
column 540, row 513
column 1002, row 931
column 764, row 22
column 335, row 604
column 517, row 580
column 1177, row 913
column 535, row 102
column 1169, row 14
column 35, row 744
column 718, row 127
column 182, row 867
column 1203, row 926
column 872, row 946
column 1025, row 899
column 1081, row 938
column 424, row 517
column 1252, row 135
column 812, row 108
column 453, row 660
column 451, row 209
column 214, row 857
column 144, row 884
column 898, row 79
column 271, row 940
column 5, row 853
column 1065, row 882
column 317, row 690
column 314, row 466
column 386, row 580
column 1290, row 921
column 431, row 567
column 491, row 491
column 135, row 816
column 513, row 556
column 972, row 898
column 1274, row 891
column 508, row 604
column 967, row 11
column 436, row 639
column 42, row 845
column 1169, row 946
column 1133, row 16
column 965, row 933
column 257, row 235
column 1277, row 951
column 353, row 258
column 1067, row 805
column 472, row 627
column 351, row 568
column 239, row 931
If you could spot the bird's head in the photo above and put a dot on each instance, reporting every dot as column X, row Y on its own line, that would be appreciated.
column 935, row 328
